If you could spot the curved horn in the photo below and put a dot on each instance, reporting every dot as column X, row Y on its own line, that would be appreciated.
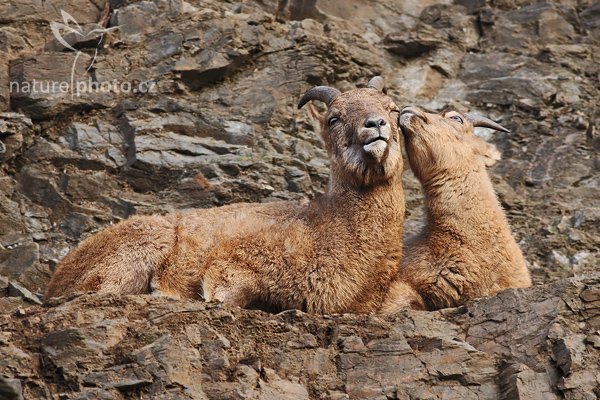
column 478, row 120
column 325, row 94
column 378, row 83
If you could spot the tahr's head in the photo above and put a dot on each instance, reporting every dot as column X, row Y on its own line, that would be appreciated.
column 444, row 143
column 360, row 131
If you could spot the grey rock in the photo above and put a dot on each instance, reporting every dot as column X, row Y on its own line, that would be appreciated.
column 10, row 389
column 227, row 45
column 589, row 216
column 165, row 359
column 4, row 86
column 589, row 17
column 296, row 10
column 124, row 378
column 298, row 180
column 471, row 5
column 304, row 341
column 15, row 129
column 65, row 348
column 158, row 147
column 594, row 340
column 75, row 224
column 100, row 394
column 40, row 185
column 163, row 45
column 103, row 143
column 556, row 258
column 273, row 386
column 11, row 219
column 517, row 381
column 20, row 259
column 236, row 132
column 3, row 286
column 53, row 83
column 576, row 57
column 553, row 28
column 136, row 20
column 30, row 10
column 531, row 26
column 171, row 149
column 11, row 41
column 414, row 44
column 351, row 344
column 17, row 290
column 502, row 79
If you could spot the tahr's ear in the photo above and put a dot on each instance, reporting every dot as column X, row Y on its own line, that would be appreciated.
column 317, row 121
column 315, row 116
column 488, row 151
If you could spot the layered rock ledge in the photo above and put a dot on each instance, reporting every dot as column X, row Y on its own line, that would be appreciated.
column 537, row 343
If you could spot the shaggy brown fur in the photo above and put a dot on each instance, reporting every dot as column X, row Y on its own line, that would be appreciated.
column 335, row 254
column 466, row 249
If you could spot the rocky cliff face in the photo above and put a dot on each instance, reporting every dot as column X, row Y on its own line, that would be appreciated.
column 172, row 104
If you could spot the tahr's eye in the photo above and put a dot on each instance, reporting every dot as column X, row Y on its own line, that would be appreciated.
column 456, row 118
column 332, row 120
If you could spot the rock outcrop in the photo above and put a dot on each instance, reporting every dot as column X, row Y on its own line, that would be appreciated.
column 539, row 343
column 156, row 105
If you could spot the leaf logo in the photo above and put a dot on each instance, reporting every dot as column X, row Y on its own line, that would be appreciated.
column 56, row 29
column 70, row 25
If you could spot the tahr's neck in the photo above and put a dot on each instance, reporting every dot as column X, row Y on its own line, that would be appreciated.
column 463, row 202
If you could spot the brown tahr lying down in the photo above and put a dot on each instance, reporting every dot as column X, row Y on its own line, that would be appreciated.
column 466, row 249
column 337, row 253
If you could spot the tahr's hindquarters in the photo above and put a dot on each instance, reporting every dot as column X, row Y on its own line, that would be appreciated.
column 120, row 259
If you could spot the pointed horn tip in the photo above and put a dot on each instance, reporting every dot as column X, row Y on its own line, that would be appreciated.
column 498, row 128
column 484, row 122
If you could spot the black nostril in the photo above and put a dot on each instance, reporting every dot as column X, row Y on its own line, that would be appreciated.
column 371, row 123
column 374, row 122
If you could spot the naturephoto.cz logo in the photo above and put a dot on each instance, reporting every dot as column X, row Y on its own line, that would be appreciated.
column 67, row 33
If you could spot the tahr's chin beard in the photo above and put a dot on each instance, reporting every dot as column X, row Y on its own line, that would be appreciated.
column 360, row 168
